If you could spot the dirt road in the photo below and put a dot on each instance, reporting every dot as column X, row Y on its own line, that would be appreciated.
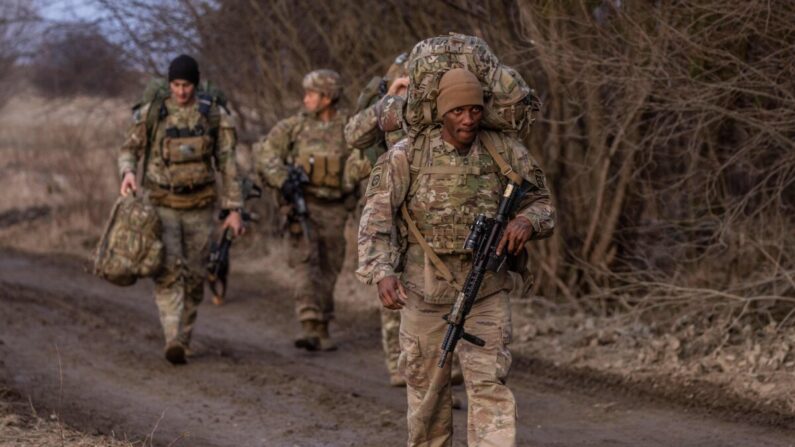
column 90, row 352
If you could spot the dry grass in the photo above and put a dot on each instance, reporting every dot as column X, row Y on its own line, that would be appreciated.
column 21, row 426
column 59, row 156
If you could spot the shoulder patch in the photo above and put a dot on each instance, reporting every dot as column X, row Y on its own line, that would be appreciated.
column 375, row 176
column 139, row 112
column 376, row 183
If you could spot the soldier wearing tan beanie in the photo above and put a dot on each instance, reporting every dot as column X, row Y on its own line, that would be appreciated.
column 458, row 178
column 458, row 87
column 460, row 108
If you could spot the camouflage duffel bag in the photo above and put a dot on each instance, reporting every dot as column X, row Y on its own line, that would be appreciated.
column 130, row 247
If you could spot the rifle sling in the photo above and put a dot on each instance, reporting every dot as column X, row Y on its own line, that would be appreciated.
column 434, row 258
column 505, row 168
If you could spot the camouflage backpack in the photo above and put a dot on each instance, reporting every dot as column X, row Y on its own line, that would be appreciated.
column 509, row 101
column 130, row 247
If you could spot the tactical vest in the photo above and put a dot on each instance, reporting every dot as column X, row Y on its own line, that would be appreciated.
column 449, row 190
column 181, row 174
column 446, row 192
column 320, row 149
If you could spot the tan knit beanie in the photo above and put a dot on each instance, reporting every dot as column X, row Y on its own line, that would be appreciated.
column 458, row 87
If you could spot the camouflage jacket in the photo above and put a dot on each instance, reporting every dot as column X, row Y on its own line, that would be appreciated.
column 300, row 139
column 443, row 203
column 190, row 184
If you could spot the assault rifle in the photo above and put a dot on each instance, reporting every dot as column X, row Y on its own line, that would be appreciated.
column 484, row 236
column 293, row 192
column 218, row 265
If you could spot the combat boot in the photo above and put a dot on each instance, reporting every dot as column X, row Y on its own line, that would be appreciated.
column 326, row 343
column 309, row 340
column 175, row 353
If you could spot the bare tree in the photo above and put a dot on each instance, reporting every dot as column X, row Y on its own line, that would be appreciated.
column 77, row 58
column 667, row 130
column 16, row 18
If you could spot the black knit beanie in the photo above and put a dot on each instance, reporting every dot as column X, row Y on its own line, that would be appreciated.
column 184, row 67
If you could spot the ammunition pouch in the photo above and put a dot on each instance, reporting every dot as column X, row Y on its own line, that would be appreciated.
column 325, row 170
column 188, row 163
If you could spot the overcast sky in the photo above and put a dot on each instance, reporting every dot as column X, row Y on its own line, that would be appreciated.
column 69, row 10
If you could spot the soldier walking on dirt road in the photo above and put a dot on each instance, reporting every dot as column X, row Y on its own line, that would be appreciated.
column 313, row 140
column 183, row 137
column 430, row 194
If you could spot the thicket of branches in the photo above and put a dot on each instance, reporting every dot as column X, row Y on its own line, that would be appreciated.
column 16, row 18
column 77, row 59
column 666, row 132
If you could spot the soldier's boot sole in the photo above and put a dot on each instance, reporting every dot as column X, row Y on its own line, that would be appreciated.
column 308, row 343
column 175, row 354
column 310, row 340
column 326, row 343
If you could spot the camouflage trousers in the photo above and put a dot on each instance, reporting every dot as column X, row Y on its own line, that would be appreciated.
column 316, row 265
column 390, row 332
column 179, row 287
column 491, row 418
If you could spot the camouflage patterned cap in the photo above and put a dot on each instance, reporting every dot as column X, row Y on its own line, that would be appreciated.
column 324, row 81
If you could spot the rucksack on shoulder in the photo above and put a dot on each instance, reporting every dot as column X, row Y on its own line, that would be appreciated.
column 509, row 101
column 130, row 247
column 372, row 92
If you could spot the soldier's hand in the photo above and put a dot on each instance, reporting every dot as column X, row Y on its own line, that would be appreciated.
column 391, row 293
column 399, row 87
column 234, row 221
column 128, row 184
column 517, row 233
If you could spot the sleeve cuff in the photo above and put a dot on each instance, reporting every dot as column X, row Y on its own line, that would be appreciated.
column 382, row 272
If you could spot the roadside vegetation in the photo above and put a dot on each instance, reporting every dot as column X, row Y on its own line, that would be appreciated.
column 666, row 133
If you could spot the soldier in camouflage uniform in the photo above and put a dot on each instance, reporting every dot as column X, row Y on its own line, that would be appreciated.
column 434, row 193
column 314, row 140
column 370, row 142
column 192, row 138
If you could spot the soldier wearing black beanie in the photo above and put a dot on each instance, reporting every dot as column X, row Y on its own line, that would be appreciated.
column 184, row 67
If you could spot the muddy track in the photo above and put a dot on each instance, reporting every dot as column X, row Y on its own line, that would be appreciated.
column 91, row 353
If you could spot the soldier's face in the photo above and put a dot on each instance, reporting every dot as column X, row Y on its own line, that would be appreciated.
column 314, row 101
column 460, row 125
column 181, row 91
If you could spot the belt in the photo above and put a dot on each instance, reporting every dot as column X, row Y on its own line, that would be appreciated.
column 183, row 190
